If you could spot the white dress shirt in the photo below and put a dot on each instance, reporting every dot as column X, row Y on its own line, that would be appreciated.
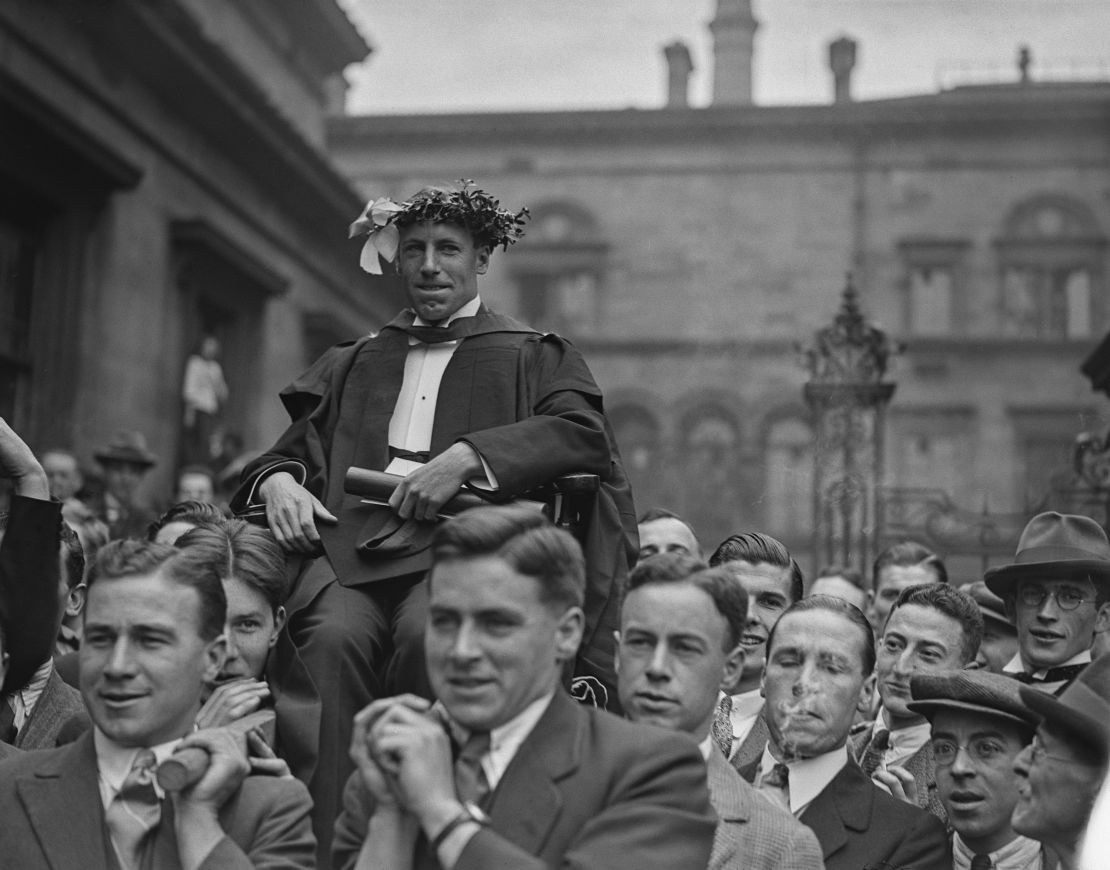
column 904, row 742
column 23, row 701
column 113, row 763
column 1021, row 853
column 746, row 708
column 1017, row 666
column 808, row 776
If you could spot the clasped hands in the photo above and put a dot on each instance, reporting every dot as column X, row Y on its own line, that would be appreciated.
column 402, row 751
column 292, row 511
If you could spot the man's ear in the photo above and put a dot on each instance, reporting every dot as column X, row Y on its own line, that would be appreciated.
column 568, row 633
column 733, row 670
column 1102, row 618
column 866, row 695
column 617, row 657
column 1009, row 606
column 75, row 600
column 481, row 263
column 215, row 656
column 279, row 624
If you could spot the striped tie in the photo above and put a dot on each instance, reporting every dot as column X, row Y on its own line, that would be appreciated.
column 134, row 812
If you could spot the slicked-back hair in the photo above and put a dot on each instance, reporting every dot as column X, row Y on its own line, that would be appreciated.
column 73, row 554
column 850, row 575
column 952, row 603
column 908, row 554
column 729, row 597
column 850, row 612
column 248, row 553
column 758, row 548
column 195, row 512
column 526, row 540
column 197, row 571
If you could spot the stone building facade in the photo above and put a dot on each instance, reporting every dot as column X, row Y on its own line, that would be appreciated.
column 163, row 177
column 687, row 251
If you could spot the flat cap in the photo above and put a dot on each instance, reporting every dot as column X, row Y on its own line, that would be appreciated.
column 1082, row 711
column 974, row 691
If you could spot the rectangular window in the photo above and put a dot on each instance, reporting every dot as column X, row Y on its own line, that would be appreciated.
column 930, row 300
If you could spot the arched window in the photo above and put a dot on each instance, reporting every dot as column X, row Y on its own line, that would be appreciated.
column 710, row 472
column 637, row 434
column 788, row 475
column 1051, row 266
column 558, row 268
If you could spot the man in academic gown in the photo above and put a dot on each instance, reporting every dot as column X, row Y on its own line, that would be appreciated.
column 447, row 393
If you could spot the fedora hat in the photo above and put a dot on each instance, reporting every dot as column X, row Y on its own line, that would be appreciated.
column 990, row 605
column 1054, row 544
column 973, row 691
column 127, row 446
column 1082, row 711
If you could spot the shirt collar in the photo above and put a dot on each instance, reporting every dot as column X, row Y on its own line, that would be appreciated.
column 1021, row 853
column 468, row 310
column 113, row 761
column 907, row 740
column 505, row 740
column 747, row 704
column 706, row 746
column 808, row 776
column 1017, row 666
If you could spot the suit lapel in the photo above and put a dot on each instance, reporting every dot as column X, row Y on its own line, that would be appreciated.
column 752, row 746
column 843, row 805
column 730, row 803
column 527, row 801
column 62, row 801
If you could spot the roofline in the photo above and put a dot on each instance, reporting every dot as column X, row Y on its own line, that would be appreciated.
column 981, row 108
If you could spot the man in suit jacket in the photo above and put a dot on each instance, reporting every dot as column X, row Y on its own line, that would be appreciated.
column 932, row 628
column 538, row 781
column 679, row 646
column 818, row 675
column 773, row 581
column 153, row 637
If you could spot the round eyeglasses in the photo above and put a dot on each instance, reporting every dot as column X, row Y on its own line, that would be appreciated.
column 1067, row 597
column 985, row 750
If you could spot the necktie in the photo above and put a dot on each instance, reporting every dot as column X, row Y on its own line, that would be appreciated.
column 7, row 721
column 876, row 749
column 471, row 784
column 1053, row 675
column 979, row 861
column 775, row 786
column 722, row 726
column 134, row 812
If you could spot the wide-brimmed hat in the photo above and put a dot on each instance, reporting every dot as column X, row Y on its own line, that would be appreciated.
column 1083, row 711
column 1054, row 545
column 127, row 446
column 975, row 691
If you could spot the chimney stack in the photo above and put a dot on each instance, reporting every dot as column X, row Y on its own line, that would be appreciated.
column 842, row 59
column 679, row 67
column 733, row 30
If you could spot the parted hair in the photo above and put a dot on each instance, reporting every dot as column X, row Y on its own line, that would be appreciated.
column 196, row 570
column 952, row 603
column 835, row 605
column 758, row 548
column 526, row 540
column 249, row 553
column 729, row 597
column 195, row 512
column 907, row 554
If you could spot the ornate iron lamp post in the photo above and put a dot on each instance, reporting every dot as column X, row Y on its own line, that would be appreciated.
column 848, row 396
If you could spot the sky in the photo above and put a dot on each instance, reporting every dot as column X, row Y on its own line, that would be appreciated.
column 511, row 55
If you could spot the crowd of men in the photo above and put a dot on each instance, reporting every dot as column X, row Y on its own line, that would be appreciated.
column 370, row 667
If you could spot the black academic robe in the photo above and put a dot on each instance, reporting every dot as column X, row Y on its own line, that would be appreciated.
column 525, row 401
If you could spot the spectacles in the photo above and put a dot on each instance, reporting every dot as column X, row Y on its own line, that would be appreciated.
column 985, row 750
column 1066, row 597
column 1037, row 752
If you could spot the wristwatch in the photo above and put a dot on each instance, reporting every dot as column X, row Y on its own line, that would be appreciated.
column 470, row 812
